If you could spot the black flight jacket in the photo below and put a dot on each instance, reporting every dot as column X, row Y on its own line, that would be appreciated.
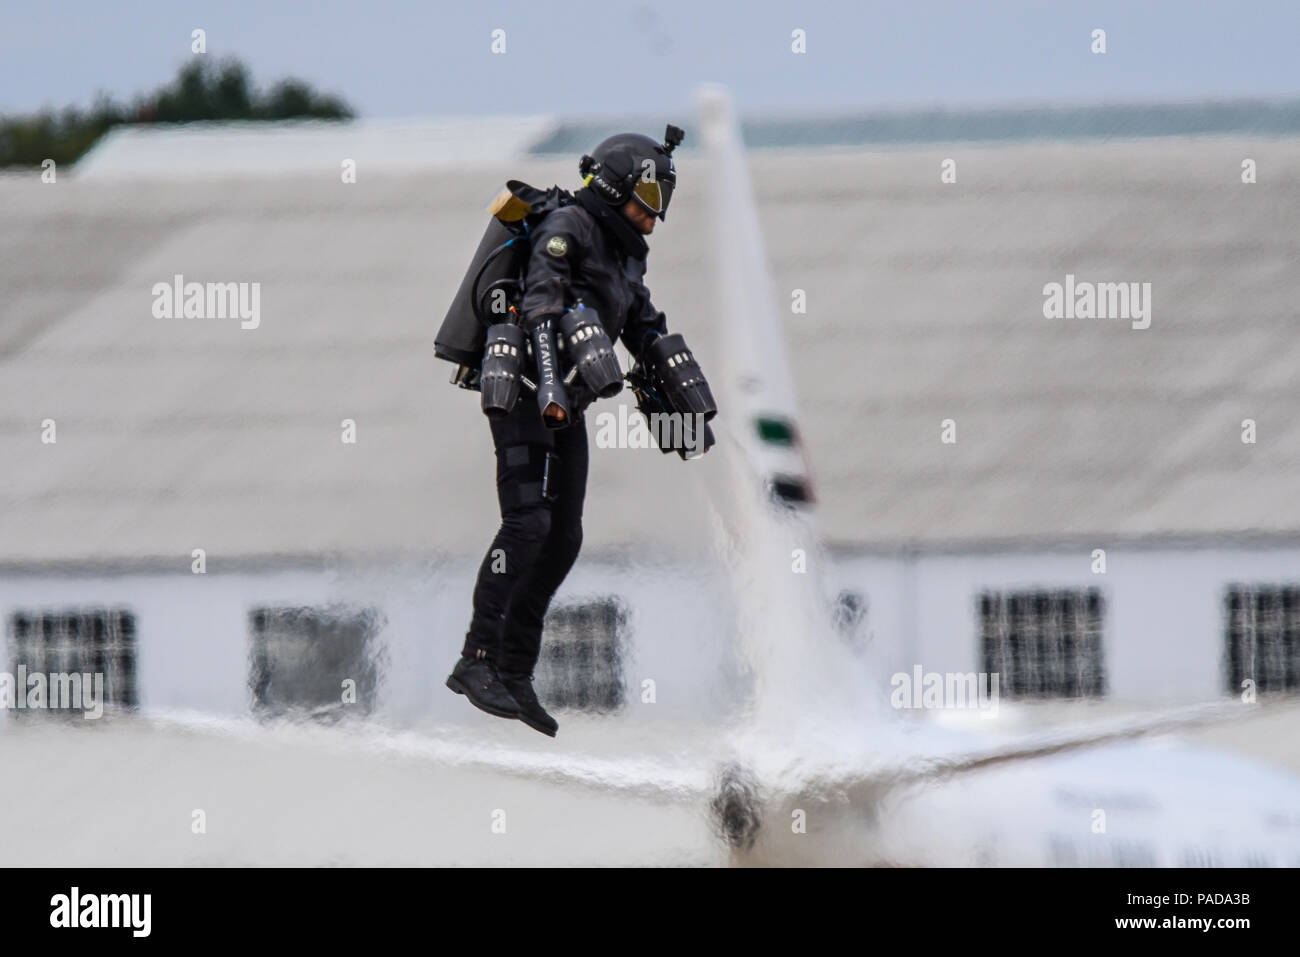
column 587, row 251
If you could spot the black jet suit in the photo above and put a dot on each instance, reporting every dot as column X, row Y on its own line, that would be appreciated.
column 587, row 252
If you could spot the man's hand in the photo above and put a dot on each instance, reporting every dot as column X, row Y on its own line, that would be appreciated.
column 579, row 397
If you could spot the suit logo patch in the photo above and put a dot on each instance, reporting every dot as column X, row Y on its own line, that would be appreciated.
column 557, row 246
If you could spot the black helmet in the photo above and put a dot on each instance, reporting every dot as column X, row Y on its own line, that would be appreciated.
column 632, row 166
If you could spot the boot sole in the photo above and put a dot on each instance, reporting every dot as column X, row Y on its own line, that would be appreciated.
column 456, row 685
column 537, row 726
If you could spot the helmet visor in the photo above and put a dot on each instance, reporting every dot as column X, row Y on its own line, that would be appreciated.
column 653, row 195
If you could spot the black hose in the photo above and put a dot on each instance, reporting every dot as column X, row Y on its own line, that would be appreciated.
column 478, row 276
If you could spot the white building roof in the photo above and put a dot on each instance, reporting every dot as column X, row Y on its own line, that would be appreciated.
column 924, row 303
column 263, row 149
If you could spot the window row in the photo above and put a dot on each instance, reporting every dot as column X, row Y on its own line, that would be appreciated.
column 323, row 661
column 1047, row 643
column 318, row 661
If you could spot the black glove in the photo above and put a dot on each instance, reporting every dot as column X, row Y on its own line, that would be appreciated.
column 579, row 396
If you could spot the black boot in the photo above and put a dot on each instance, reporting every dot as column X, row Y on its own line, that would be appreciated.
column 531, row 712
column 477, row 679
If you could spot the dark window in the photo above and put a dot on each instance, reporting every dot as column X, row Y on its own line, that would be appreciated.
column 302, row 657
column 581, row 665
column 1263, row 637
column 848, row 613
column 83, row 641
column 1044, row 643
column 790, row 490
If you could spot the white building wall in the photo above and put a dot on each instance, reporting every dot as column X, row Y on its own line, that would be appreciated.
column 1163, row 621
column 1163, row 628
column 193, row 630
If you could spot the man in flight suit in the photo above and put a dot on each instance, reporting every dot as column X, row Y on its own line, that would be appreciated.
column 593, row 252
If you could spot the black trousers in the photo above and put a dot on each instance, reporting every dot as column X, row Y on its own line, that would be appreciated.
column 541, row 484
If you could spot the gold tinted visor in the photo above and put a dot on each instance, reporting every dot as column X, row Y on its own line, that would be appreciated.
column 653, row 195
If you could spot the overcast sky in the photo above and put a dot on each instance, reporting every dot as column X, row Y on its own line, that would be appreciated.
column 425, row 57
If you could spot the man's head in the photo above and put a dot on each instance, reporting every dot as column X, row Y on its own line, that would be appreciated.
column 636, row 214
column 635, row 174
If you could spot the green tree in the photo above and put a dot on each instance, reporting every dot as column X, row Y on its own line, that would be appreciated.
column 203, row 89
